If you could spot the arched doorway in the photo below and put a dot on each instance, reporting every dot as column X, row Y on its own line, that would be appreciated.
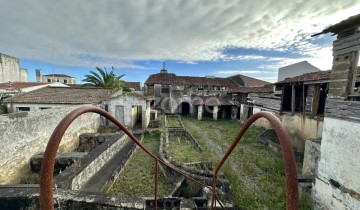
column 185, row 108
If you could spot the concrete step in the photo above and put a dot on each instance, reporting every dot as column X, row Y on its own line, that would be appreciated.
column 62, row 161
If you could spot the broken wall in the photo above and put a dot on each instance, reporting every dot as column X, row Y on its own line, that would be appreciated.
column 299, row 127
column 25, row 134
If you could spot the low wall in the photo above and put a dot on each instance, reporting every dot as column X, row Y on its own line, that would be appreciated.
column 299, row 127
column 337, row 183
column 25, row 134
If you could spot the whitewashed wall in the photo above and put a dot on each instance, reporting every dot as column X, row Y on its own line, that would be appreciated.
column 337, row 184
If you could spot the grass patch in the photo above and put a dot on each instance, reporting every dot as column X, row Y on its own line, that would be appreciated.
column 137, row 179
column 256, row 172
column 172, row 121
column 182, row 150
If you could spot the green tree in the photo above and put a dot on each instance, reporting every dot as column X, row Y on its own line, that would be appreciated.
column 104, row 79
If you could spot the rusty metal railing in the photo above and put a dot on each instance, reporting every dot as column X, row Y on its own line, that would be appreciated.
column 47, row 165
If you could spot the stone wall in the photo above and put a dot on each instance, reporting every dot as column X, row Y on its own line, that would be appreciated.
column 10, row 69
column 25, row 134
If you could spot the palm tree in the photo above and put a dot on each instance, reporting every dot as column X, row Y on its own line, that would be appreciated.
column 104, row 79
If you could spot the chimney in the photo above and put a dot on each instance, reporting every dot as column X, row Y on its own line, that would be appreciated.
column 163, row 71
column 38, row 75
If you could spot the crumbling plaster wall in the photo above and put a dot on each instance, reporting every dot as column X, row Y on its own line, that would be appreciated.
column 129, row 101
column 337, row 184
column 25, row 134
column 299, row 127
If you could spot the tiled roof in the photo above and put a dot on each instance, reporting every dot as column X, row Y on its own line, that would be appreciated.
column 246, row 81
column 211, row 101
column 266, row 89
column 307, row 77
column 56, row 75
column 19, row 85
column 135, row 85
column 172, row 79
column 61, row 95
column 138, row 95
column 350, row 22
column 161, row 78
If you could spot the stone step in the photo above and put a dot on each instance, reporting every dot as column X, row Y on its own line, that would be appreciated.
column 62, row 161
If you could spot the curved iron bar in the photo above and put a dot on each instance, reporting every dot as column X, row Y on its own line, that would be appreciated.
column 47, row 164
column 291, row 182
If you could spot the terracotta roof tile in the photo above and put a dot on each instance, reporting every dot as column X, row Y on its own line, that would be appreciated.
column 57, row 75
column 172, row 79
column 135, row 85
column 307, row 77
column 266, row 89
column 19, row 85
column 246, row 81
column 61, row 95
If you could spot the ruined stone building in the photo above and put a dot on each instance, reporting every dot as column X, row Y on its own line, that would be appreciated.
column 10, row 70
column 130, row 109
column 50, row 78
column 199, row 96
column 337, row 183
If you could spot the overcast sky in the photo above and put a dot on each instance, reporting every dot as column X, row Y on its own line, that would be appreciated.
column 194, row 37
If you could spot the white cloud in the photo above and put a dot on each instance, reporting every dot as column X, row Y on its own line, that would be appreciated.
column 117, row 33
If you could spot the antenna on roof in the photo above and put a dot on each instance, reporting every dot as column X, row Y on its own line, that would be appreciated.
column 163, row 66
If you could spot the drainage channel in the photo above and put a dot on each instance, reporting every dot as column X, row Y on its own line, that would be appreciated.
column 108, row 173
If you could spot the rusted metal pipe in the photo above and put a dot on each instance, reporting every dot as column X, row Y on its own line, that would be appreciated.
column 47, row 169
column 156, row 183
column 47, row 165
column 291, row 182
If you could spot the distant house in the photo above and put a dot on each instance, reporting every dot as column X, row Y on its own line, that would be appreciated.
column 200, row 96
column 246, row 81
column 131, row 109
column 52, row 97
column 49, row 78
column 10, row 70
column 296, row 69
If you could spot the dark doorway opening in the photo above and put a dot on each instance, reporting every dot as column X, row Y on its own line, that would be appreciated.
column 238, row 113
column 208, row 111
column 185, row 108
column 322, row 99
column 250, row 112
column 286, row 100
column 227, row 110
